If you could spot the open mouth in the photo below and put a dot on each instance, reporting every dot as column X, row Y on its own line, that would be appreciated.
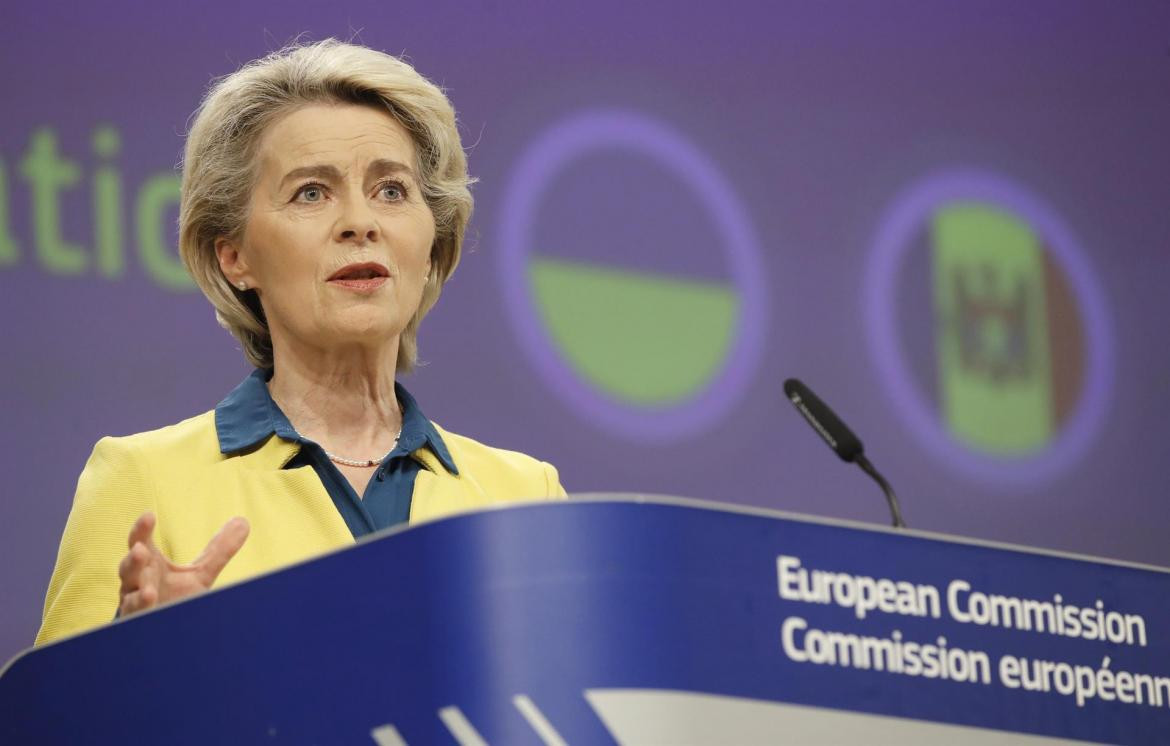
column 362, row 278
column 358, row 272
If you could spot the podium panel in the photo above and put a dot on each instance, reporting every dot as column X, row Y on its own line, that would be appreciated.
column 635, row 621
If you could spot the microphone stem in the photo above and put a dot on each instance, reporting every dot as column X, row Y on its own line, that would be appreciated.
column 891, row 498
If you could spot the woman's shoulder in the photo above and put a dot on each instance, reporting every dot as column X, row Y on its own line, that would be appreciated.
column 487, row 462
column 193, row 437
column 465, row 448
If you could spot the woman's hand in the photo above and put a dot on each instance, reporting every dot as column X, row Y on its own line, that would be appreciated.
column 149, row 578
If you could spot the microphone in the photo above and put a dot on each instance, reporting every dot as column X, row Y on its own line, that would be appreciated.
column 840, row 438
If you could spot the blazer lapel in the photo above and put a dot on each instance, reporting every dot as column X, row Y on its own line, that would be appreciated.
column 291, row 514
column 272, row 454
column 437, row 492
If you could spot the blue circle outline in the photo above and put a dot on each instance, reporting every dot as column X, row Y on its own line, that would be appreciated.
column 605, row 129
column 893, row 241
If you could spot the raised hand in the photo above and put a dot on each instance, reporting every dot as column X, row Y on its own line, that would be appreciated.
column 149, row 578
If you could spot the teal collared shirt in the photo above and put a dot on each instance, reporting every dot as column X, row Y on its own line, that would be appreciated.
column 248, row 416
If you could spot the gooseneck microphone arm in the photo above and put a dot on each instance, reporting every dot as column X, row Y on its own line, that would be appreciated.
column 891, row 498
column 840, row 438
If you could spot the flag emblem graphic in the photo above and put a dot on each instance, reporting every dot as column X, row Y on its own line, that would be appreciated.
column 988, row 327
column 1007, row 332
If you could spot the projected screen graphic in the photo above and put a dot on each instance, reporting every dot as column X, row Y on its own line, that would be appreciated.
column 646, row 315
column 1009, row 379
column 1006, row 319
column 950, row 222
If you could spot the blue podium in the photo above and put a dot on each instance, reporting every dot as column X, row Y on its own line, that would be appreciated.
column 634, row 620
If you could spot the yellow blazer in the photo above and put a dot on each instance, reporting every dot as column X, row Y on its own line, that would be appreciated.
column 179, row 473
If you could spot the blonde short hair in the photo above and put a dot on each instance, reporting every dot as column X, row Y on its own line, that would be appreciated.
column 220, row 170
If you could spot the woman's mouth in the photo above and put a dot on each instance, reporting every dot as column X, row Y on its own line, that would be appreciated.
column 364, row 278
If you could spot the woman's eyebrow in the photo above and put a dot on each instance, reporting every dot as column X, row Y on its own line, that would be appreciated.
column 383, row 166
column 379, row 167
column 321, row 171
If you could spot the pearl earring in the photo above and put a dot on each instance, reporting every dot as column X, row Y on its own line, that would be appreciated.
column 242, row 285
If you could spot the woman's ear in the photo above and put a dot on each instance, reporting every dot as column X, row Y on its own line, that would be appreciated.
column 233, row 264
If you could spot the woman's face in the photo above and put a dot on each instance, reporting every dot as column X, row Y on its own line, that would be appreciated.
column 338, row 238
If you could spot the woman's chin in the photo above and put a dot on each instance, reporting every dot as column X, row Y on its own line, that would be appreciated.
column 362, row 329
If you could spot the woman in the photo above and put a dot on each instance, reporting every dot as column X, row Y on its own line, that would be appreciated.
column 325, row 197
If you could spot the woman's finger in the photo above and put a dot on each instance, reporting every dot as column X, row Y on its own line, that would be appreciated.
column 222, row 547
column 149, row 580
column 139, row 600
column 132, row 565
column 142, row 529
column 126, row 605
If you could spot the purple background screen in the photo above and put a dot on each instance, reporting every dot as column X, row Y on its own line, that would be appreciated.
column 808, row 126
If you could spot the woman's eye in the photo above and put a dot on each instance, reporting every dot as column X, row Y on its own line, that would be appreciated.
column 310, row 193
column 393, row 191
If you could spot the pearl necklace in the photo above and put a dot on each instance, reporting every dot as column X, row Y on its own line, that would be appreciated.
column 361, row 463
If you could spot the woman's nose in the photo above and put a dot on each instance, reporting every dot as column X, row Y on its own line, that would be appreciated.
column 357, row 223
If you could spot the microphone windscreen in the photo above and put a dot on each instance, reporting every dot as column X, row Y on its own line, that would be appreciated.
column 830, row 427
